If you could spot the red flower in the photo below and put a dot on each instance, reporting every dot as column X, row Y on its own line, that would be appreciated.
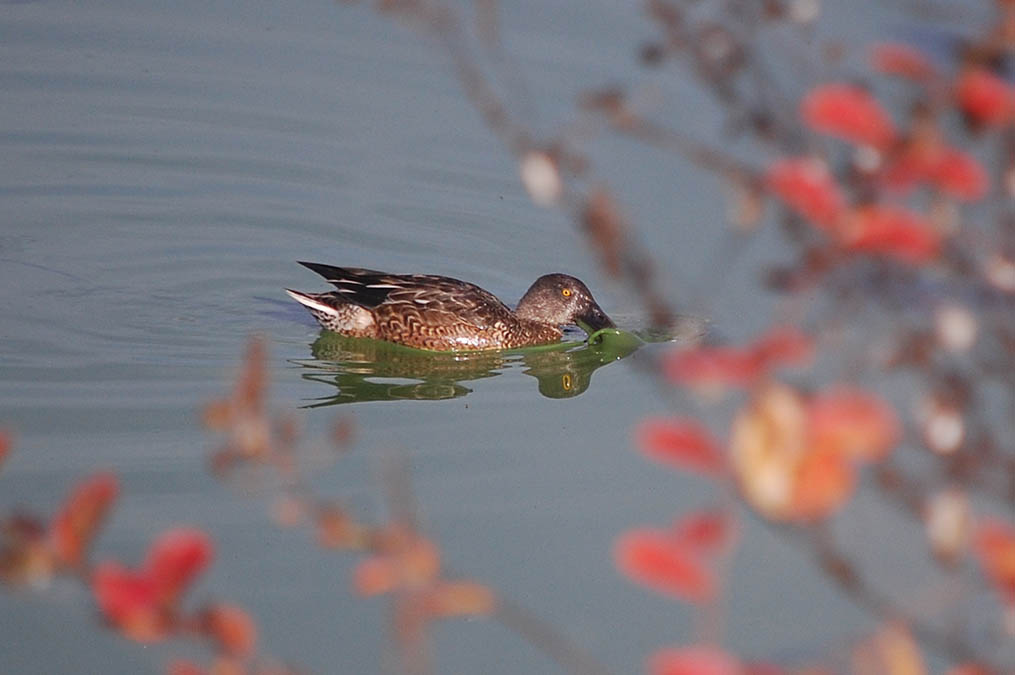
column 176, row 558
column 683, row 443
column 848, row 112
column 853, row 423
column 231, row 627
column 950, row 170
column 893, row 58
column 783, row 346
column 130, row 601
column 807, row 186
column 959, row 175
column 995, row 547
column 893, row 231
column 983, row 96
column 739, row 366
column 694, row 660
column 5, row 445
column 665, row 564
column 142, row 603
column 708, row 532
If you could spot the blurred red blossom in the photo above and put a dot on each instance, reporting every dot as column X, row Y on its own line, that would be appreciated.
column 32, row 552
column 852, row 422
column 892, row 231
column 984, row 97
column 79, row 519
column 890, row 650
column 794, row 456
column 952, row 171
column 142, row 603
column 894, row 58
column 659, row 560
column 807, row 187
column 958, row 174
column 680, row 442
column 5, row 445
column 709, row 532
column 994, row 545
column 717, row 367
column 406, row 560
column 694, row 660
column 231, row 627
column 848, row 112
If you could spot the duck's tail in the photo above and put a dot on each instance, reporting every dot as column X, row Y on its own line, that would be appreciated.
column 314, row 302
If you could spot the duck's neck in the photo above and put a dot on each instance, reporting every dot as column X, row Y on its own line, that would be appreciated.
column 528, row 309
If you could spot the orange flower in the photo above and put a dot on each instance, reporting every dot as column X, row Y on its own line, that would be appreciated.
column 682, row 443
column 807, row 187
column 794, row 458
column 848, row 112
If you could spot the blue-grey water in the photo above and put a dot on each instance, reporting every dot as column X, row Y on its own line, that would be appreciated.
column 163, row 166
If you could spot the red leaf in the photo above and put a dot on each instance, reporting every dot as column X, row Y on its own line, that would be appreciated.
column 682, row 443
column 231, row 627
column 705, row 531
column 78, row 521
column 375, row 575
column 182, row 667
column 960, row 176
column 130, row 601
column 893, row 231
column 175, row 559
column 652, row 558
column 5, row 445
column 694, row 660
column 713, row 366
column 848, row 112
column 785, row 345
column 893, row 58
column 807, row 186
column 983, row 96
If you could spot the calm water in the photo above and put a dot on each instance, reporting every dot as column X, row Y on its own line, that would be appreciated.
column 161, row 169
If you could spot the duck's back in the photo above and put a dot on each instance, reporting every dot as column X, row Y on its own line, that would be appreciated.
column 433, row 312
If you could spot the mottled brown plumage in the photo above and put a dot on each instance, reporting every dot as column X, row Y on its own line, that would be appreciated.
column 445, row 314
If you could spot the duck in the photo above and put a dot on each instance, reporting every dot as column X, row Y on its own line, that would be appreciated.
column 440, row 313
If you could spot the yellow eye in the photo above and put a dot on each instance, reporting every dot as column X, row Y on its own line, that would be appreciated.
column 566, row 292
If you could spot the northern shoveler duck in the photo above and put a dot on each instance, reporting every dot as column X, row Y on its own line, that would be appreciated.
column 444, row 314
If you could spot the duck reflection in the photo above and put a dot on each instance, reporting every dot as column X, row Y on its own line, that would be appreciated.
column 370, row 370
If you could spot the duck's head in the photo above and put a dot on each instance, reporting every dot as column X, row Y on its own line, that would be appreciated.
column 559, row 299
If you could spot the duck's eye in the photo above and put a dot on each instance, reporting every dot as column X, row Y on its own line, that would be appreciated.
column 566, row 292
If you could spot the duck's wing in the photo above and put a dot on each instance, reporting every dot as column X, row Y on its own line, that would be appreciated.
column 439, row 299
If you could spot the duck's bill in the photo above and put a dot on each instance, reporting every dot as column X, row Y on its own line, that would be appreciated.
column 594, row 319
